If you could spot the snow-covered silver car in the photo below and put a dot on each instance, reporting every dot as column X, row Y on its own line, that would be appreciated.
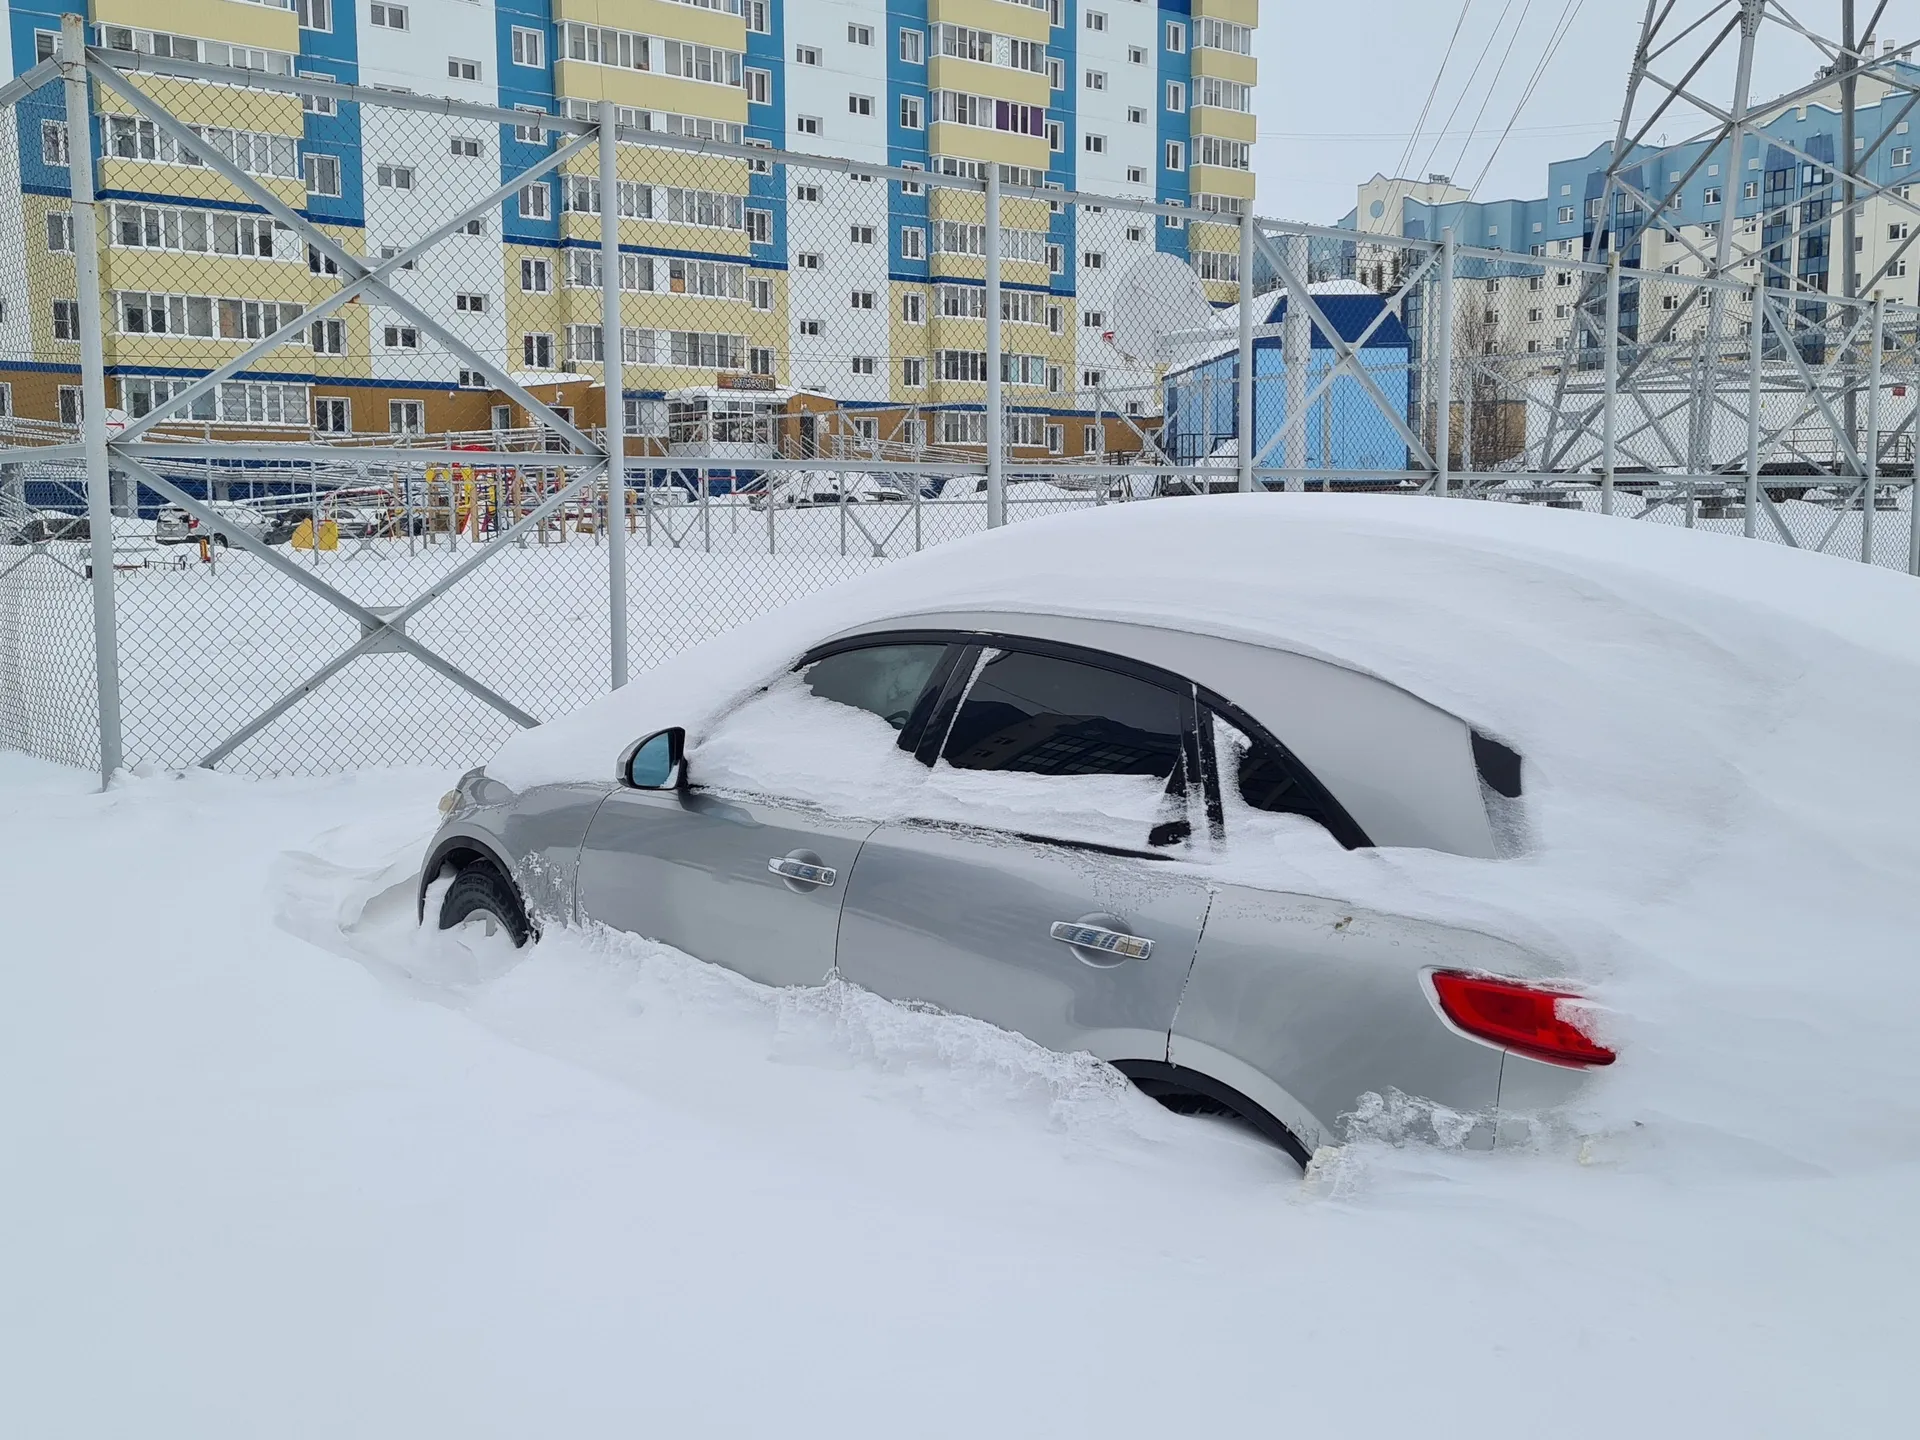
column 1053, row 820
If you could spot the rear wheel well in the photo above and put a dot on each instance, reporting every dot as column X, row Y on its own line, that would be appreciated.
column 1190, row 1092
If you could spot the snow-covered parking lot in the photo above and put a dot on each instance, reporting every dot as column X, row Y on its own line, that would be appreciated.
column 276, row 1165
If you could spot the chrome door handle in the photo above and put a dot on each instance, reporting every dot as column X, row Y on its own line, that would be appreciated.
column 1098, row 937
column 807, row 873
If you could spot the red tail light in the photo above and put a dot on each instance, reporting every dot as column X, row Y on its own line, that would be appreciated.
column 1519, row 1017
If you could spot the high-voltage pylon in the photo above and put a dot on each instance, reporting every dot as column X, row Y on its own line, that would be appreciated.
column 1780, row 252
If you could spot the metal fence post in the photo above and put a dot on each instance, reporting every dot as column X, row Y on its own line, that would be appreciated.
column 996, row 477
column 1870, row 481
column 93, row 384
column 1756, row 354
column 1443, row 367
column 1244, row 428
column 613, row 378
column 1296, row 354
column 1610, row 372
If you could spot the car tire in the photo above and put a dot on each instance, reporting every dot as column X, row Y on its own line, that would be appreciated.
column 480, row 890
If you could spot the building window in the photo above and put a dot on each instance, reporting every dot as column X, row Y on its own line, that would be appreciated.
column 1094, row 144
column 758, row 20
column 759, row 86
column 388, row 17
column 536, row 351
column 1176, row 37
column 861, row 300
column 406, row 417
column 535, row 201
column 807, row 194
column 1096, row 80
column 318, row 104
column 859, row 104
column 329, row 337
column 1902, row 155
column 393, row 177
column 860, row 234
column 863, row 365
column 66, row 320
column 760, row 360
column 1093, row 260
column 458, row 69
column 1176, row 155
column 808, row 328
column 469, row 303
column 1056, row 137
column 400, row 337
column 332, row 414
column 859, row 34
column 1092, row 380
column 53, row 142
column 910, row 112
column 475, row 226
column 913, row 372
column 913, row 243
column 322, row 174
column 806, row 55
column 1096, row 20
column 807, row 124
column 1710, row 196
column 530, row 134
column 46, row 45
column 1176, row 96
column 529, row 47
column 1056, row 73
column 1136, row 115
column 913, row 47
column 536, row 276
column 759, row 227
column 60, row 231
column 806, row 260
column 913, row 308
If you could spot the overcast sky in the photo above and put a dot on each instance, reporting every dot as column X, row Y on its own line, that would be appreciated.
column 1342, row 86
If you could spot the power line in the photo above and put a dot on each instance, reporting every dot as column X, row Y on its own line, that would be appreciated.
column 1413, row 138
column 1568, row 14
column 1467, row 88
column 1494, row 83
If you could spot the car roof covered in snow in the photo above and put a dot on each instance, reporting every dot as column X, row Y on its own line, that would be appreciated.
column 1529, row 624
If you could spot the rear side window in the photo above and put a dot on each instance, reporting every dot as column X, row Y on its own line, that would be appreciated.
column 1042, row 715
column 1255, row 774
column 885, row 680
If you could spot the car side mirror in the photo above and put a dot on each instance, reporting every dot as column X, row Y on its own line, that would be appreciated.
column 657, row 762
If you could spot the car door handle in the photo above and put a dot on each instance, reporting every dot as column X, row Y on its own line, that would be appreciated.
column 1098, row 937
column 803, row 871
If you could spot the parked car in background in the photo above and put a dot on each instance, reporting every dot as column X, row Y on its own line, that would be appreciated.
column 177, row 526
column 41, row 526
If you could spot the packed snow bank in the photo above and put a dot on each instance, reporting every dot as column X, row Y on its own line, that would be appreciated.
column 1721, row 772
column 391, row 1184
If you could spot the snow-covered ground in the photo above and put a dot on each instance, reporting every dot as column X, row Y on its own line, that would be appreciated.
column 276, row 1164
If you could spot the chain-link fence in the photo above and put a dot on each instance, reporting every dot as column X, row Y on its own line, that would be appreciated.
column 340, row 360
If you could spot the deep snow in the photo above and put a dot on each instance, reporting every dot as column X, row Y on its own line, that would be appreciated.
column 276, row 1164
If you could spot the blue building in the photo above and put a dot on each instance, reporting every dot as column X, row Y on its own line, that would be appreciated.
column 1345, row 428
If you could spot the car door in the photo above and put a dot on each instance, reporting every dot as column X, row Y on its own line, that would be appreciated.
column 746, row 866
column 1042, row 883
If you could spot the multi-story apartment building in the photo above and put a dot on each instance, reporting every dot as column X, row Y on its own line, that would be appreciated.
column 864, row 292
column 1783, row 210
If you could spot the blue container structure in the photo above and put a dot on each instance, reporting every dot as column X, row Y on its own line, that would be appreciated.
column 1345, row 428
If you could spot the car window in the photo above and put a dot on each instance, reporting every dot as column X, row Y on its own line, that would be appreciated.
column 1259, row 779
column 1048, row 746
column 828, row 734
column 1047, row 716
column 885, row 680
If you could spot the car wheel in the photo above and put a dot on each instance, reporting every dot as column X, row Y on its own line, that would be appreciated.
column 223, row 542
column 1188, row 1092
column 481, row 892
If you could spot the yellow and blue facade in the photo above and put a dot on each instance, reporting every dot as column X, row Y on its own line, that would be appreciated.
column 734, row 273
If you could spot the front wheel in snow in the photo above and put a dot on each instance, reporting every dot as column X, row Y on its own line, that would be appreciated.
column 480, row 893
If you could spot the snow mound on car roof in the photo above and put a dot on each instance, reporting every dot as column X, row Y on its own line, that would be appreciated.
column 1723, row 763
